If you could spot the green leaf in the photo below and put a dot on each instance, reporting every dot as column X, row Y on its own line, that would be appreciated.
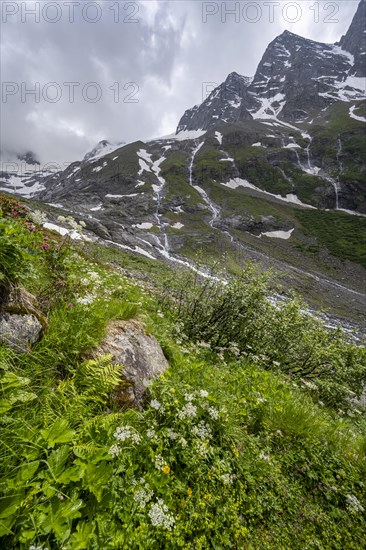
column 27, row 471
column 97, row 477
column 5, row 526
column 71, row 474
column 5, row 405
column 9, row 505
column 58, row 433
column 80, row 540
column 57, row 461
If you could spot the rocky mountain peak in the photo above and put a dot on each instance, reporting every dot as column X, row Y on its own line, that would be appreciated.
column 354, row 41
column 295, row 79
column 102, row 148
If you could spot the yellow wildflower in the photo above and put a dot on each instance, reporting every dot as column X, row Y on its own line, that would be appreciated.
column 166, row 469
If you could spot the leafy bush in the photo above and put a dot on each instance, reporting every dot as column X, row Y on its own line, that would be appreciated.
column 237, row 317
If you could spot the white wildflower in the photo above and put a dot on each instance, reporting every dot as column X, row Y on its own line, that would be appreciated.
column 172, row 434
column 234, row 348
column 203, row 393
column 214, row 413
column 38, row 217
column 202, row 448
column 183, row 442
column 143, row 496
column 151, row 433
column 126, row 432
column 309, row 384
column 263, row 456
column 202, row 431
column 114, row 450
column 188, row 411
column 204, row 345
column 354, row 504
column 189, row 396
column 86, row 300
column 159, row 462
column 160, row 516
column 227, row 479
column 155, row 404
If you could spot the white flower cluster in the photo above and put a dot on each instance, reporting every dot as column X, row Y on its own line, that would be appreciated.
column 189, row 411
column 69, row 220
column 160, row 516
column 234, row 349
column 38, row 217
column 155, row 404
column 126, row 432
column 114, row 450
column 227, row 479
column 354, row 504
column 309, row 384
column 159, row 462
column 202, row 448
column 151, row 433
column 202, row 430
column 123, row 433
column 172, row 435
column 143, row 496
column 86, row 300
column 263, row 456
column 213, row 412
column 203, row 345
column 189, row 396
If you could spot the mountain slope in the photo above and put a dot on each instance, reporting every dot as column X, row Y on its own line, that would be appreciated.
column 252, row 172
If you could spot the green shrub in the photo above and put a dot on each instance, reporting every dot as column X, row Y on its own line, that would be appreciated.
column 236, row 317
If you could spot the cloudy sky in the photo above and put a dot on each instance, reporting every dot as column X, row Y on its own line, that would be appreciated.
column 74, row 73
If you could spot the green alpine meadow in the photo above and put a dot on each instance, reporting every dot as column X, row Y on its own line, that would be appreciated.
column 253, row 437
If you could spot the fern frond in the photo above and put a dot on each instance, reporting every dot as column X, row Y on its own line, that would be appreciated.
column 96, row 378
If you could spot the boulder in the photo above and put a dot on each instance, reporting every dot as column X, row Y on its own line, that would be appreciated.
column 19, row 332
column 19, row 301
column 141, row 356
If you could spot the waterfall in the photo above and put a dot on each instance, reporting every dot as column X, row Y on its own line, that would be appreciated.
column 215, row 210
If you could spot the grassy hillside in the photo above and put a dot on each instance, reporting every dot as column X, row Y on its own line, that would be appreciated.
column 249, row 441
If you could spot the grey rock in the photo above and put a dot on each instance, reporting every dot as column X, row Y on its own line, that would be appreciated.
column 224, row 104
column 19, row 332
column 140, row 355
column 354, row 41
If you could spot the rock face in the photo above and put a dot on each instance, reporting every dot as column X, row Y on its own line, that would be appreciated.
column 140, row 355
column 21, row 322
column 354, row 41
column 225, row 103
column 295, row 79
column 19, row 332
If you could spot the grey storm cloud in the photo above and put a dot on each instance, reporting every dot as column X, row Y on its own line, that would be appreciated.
column 149, row 62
